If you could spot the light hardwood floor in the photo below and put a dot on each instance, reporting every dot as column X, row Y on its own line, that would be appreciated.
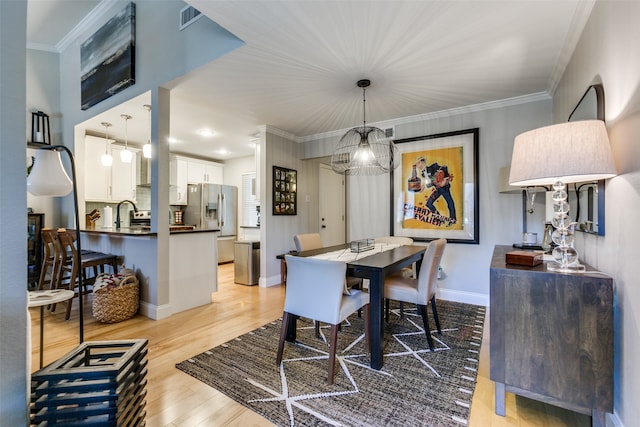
column 176, row 399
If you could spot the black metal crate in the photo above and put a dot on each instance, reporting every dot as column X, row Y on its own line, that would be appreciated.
column 99, row 383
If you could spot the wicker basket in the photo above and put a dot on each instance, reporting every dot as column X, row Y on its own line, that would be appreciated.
column 112, row 305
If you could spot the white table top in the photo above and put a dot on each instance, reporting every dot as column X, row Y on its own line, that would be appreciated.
column 45, row 297
column 346, row 255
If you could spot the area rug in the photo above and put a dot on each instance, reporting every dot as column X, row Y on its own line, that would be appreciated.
column 415, row 387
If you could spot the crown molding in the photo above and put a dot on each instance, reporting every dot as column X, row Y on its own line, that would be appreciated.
column 42, row 47
column 88, row 22
column 275, row 131
column 508, row 102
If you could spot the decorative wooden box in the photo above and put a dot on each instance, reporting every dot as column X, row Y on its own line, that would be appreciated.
column 528, row 258
column 100, row 383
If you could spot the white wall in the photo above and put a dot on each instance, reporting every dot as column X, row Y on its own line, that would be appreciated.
column 277, row 231
column 466, row 266
column 163, row 53
column 13, row 221
column 608, row 53
column 43, row 94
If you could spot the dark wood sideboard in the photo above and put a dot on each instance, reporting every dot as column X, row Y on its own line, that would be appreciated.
column 551, row 336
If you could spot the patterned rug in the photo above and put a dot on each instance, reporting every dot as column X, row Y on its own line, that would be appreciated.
column 415, row 387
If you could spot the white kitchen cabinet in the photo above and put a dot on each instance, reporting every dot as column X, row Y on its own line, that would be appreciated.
column 201, row 171
column 178, row 167
column 123, row 176
column 108, row 183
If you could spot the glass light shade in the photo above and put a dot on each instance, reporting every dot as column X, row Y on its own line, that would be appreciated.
column 106, row 159
column 48, row 177
column 126, row 155
column 146, row 150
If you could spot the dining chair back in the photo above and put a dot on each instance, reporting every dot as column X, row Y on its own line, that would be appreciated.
column 402, row 241
column 395, row 240
column 307, row 242
column 315, row 291
column 68, row 270
column 419, row 291
column 50, row 260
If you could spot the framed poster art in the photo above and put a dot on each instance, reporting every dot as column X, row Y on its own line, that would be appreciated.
column 285, row 190
column 434, row 191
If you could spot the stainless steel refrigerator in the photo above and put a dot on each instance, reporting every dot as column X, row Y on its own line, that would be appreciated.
column 214, row 206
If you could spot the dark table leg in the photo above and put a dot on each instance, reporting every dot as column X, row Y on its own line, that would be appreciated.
column 376, row 295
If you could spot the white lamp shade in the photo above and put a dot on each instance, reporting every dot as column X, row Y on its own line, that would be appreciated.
column 573, row 152
column 146, row 150
column 48, row 177
column 106, row 159
column 126, row 155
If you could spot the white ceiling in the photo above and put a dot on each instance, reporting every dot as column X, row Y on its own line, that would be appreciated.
column 301, row 61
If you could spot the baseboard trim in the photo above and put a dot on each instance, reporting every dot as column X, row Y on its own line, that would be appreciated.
column 155, row 312
column 613, row 420
column 462, row 296
column 266, row 282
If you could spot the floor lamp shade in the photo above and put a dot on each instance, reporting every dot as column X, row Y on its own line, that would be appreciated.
column 48, row 177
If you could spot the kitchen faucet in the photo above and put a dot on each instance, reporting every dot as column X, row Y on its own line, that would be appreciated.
column 135, row 209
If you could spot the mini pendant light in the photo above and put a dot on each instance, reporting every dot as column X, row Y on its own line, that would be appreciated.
column 126, row 155
column 107, row 159
column 146, row 148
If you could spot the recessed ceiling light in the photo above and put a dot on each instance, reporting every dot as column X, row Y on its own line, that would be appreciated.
column 223, row 151
column 207, row 132
column 172, row 140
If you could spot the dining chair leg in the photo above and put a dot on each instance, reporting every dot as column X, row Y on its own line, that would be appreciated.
column 332, row 352
column 422, row 309
column 386, row 310
column 435, row 314
column 401, row 309
column 283, row 335
column 367, row 331
column 316, row 326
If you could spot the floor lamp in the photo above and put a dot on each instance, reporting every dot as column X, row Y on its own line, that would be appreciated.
column 49, row 178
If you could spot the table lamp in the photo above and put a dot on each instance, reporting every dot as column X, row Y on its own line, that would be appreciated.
column 557, row 155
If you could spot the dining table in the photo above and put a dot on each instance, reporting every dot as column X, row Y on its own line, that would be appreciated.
column 373, row 265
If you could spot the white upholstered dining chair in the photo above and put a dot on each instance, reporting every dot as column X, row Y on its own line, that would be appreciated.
column 307, row 242
column 315, row 291
column 402, row 241
column 419, row 291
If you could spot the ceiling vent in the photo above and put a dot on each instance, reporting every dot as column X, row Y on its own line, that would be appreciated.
column 389, row 132
column 188, row 15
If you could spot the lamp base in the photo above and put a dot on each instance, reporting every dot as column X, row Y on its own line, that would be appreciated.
column 571, row 268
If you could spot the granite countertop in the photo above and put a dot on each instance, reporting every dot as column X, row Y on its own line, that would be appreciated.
column 146, row 231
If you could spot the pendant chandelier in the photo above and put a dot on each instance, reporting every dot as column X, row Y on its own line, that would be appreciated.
column 364, row 150
column 146, row 148
column 126, row 155
column 107, row 159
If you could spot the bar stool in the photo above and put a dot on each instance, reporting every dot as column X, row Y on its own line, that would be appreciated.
column 68, row 269
column 50, row 261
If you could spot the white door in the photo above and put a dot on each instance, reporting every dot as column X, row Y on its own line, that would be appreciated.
column 331, row 207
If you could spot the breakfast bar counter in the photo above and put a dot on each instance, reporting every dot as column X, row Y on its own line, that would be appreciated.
column 176, row 270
